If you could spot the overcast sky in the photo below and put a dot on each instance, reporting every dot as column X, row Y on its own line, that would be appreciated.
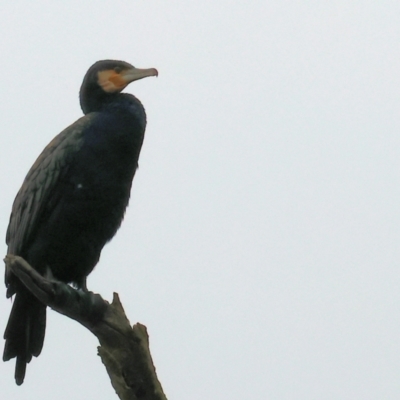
column 261, row 244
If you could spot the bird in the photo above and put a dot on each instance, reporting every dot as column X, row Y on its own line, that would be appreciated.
column 73, row 199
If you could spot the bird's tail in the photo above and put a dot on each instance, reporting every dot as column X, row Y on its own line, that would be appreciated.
column 25, row 331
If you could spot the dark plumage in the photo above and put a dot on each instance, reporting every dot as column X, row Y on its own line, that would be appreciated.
column 73, row 199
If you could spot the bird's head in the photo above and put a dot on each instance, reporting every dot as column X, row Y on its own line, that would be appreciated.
column 107, row 78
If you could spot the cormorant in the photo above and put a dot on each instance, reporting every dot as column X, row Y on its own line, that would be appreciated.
column 73, row 199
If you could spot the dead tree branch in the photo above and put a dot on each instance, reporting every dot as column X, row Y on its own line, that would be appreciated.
column 124, row 349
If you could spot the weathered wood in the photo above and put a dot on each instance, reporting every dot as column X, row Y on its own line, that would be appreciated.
column 124, row 350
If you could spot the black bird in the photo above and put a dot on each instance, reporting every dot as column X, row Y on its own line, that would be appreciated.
column 73, row 199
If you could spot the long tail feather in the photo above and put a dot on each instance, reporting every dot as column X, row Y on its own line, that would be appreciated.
column 25, row 332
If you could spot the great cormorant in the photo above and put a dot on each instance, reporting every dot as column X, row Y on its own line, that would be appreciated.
column 73, row 199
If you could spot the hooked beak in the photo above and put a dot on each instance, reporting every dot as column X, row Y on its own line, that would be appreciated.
column 135, row 74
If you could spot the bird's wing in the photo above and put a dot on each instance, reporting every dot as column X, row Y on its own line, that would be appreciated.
column 32, row 198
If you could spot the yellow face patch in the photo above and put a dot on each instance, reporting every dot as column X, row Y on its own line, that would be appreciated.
column 111, row 81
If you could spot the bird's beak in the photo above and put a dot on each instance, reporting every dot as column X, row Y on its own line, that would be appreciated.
column 135, row 74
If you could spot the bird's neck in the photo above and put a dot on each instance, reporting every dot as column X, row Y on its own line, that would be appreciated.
column 94, row 99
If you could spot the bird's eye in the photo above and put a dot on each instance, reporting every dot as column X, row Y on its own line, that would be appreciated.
column 118, row 70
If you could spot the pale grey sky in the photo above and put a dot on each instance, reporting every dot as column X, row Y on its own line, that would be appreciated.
column 260, row 247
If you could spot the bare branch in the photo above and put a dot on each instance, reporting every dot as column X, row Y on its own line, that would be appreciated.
column 123, row 349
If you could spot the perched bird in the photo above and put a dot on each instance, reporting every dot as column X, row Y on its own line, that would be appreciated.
column 73, row 199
